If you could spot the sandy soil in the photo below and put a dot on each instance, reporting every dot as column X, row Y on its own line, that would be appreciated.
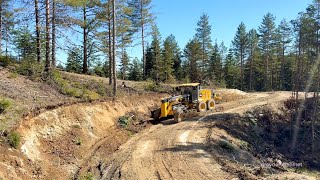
column 190, row 150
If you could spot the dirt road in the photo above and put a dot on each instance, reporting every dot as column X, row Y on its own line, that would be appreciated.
column 190, row 149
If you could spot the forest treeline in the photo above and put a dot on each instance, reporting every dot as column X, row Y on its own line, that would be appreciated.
column 273, row 56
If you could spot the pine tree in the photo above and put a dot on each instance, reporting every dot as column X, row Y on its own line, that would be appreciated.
column 74, row 60
column 7, row 25
column 266, row 44
column 253, row 54
column 169, row 57
column 98, row 69
column 124, row 65
column 153, row 56
column 177, row 59
column 53, row 32
column 203, row 35
column 215, row 68
column 24, row 43
column 125, row 31
column 282, row 41
column 37, row 20
column 149, row 62
column 135, row 72
column 156, row 53
column 193, row 54
column 4, row 9
column 240, row 44
column 47, row 64
column 87, row 22
column 142, row 17
column 231, row 71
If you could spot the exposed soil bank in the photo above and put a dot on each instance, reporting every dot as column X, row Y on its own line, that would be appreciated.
column 59, row 142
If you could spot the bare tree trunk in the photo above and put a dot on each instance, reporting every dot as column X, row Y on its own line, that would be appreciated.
column 114, row 50
column 47, row 67
column 267, row 68
column 251, row 69
column 85, row 53
column 123, row 61
column 272, row 74
column 1, row 2
column 282, row 67
column 110, row 43
column 241, row 68
column 53, row 23
column 36, row 8
column 142, row 39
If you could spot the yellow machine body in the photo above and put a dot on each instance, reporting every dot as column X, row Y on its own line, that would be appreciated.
column 205, row 95
column 190, row 96
column 166, row 109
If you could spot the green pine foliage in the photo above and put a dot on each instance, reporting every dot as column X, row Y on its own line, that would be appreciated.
column 135, row 71
column 273, row 56
column 215, row 65
column 124, row 65
column 74, row 61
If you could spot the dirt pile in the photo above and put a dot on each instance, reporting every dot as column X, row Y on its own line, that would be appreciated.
column 231, row 94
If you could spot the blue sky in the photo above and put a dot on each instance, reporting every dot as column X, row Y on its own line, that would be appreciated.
column 179, row 17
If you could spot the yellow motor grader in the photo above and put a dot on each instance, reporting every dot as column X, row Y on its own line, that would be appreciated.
column 188, row 100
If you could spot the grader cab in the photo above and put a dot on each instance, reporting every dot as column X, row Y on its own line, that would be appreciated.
column 187, row 100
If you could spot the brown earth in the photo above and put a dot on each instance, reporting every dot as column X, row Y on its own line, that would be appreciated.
column 84, row 140
column 193, row 149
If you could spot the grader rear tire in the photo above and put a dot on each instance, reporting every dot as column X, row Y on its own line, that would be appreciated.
column 201, row 107
column 211, row 104
column 156, row 114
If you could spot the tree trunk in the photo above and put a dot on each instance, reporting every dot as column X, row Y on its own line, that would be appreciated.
column 142, row 39
column 1, row 2
column 85, row 56
column 110, row 44
column 47, row 67
column 114, row 49
column 282, row 67
column 123, row 61
column 251, row 69
column 53, row 58
column 36, row 8
column 241, row 68
column 7, row 55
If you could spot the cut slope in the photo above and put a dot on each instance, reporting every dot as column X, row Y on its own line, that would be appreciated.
column 63, row 140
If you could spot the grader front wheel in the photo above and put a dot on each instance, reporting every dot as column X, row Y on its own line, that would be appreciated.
column 201, row 107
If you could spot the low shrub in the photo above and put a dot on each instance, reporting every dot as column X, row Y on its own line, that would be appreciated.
column 31, row 68
column 13, row 75
column 88, row 176
column 150, row 85
column 90, row 95
column 5, row 61
column 226, row 145
column 14, row 139
column 4, row 104
column 124, row 121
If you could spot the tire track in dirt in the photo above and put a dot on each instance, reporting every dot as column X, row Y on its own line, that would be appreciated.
column 177, row 151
